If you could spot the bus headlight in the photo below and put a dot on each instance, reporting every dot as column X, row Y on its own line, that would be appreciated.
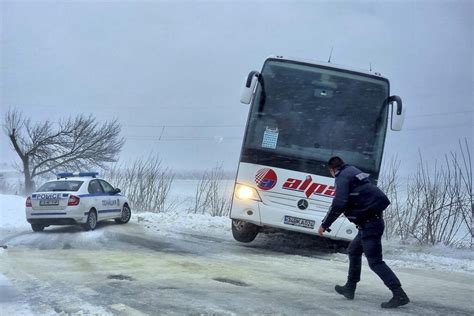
column 245, row 192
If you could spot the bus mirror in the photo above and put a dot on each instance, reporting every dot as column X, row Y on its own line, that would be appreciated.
column 249, row 87
column 398, row 113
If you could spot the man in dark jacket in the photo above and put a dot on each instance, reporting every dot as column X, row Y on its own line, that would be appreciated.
column 363, row 204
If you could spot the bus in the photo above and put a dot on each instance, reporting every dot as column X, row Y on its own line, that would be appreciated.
column 301, row 114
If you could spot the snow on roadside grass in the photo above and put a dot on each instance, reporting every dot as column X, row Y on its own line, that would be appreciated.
column 425, row 261
column 185, row 222
column 438, row 257
column 12, row 212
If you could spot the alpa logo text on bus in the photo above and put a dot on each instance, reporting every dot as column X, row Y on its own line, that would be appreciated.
column 309, row 187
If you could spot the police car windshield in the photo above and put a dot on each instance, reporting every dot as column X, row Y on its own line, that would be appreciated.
column 60, row 186
column 309, row 113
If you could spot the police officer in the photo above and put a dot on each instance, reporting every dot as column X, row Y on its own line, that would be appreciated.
column 363, row 204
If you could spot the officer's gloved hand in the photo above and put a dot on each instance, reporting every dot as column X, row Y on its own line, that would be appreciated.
column 321, row 230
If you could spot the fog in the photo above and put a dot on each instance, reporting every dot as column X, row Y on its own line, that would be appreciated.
column 171, row 71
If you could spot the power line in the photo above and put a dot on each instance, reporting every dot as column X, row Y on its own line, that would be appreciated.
column 225, row 138
column 184, row 138
column 180, row 126
column 164, row 126
column 440, row 113
column 436, row 127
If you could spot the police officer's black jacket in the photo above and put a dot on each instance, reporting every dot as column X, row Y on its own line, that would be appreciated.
column 356, row 197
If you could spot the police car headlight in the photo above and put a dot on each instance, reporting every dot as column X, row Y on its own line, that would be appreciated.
column 245, row 192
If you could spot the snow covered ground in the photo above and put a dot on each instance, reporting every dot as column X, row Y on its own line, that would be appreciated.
column 7, row 293
column 12, row 213
column 398, row 254
column 215, row 256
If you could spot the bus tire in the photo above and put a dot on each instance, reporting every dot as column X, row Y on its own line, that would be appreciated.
column 37, row 227
column 244, row 231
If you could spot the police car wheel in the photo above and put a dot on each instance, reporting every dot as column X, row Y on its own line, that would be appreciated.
column 244, row 231
column 91, row 222
column 126, row 215
column 37, row 227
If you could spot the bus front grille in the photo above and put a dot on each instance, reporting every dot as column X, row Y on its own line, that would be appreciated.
column 290, row 202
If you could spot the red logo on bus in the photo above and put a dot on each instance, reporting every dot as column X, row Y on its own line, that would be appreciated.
column 266, row 179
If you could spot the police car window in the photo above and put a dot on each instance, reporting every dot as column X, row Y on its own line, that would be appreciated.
column 108, row 188
column 60, row 186
column 94, row 187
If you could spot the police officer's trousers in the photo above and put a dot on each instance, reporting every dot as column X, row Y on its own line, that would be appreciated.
column 369, row 242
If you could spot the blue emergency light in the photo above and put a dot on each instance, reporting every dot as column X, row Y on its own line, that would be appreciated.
column 77, row 174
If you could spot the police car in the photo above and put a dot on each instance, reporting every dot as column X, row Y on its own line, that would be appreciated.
column 76, row 198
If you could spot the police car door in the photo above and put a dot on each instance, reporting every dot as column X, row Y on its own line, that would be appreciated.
column 96, row 196
column 111, row 201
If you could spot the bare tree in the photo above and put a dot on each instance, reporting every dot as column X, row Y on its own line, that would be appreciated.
column 438, row 204
column 466, row 176
column 389, row 182
column 72, row 144
column 210, row 194
column 146, row 183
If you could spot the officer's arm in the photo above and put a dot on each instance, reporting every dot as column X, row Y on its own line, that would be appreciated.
column 339, row 203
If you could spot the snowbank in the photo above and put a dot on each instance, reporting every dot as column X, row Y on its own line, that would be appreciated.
column 439, row 257
column 12, row 212
column 182, row 222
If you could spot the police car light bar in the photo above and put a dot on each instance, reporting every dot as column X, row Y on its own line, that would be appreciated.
column 77, row 174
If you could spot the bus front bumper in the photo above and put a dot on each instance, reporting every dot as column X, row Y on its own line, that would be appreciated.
column 261, row 214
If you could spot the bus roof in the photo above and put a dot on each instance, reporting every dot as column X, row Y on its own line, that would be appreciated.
column 326, row 64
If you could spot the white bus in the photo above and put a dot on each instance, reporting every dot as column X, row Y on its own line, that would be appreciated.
column 302, row 113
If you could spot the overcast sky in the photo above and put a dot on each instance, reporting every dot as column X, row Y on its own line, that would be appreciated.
column 181, row 64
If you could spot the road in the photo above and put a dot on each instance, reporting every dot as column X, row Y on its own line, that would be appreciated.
column 127, row 270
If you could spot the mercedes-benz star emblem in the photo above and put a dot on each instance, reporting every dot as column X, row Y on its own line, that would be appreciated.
column 302, row 204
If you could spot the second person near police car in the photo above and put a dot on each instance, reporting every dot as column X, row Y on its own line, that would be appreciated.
column 363, row 204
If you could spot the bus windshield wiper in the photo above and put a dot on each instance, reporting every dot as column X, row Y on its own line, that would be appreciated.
column 263, row 95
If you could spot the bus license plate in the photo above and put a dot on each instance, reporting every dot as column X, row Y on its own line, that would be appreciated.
column 301, row 222
column 49, row 202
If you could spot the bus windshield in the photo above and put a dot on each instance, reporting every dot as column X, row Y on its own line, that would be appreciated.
column 303, row 114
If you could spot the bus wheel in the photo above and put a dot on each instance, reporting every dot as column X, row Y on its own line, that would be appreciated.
column 37, row 227
column 243, row 231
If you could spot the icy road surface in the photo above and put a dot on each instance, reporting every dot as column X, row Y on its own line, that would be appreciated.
column 129, row 270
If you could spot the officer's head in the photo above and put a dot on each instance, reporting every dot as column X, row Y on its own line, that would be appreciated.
column 334, row 163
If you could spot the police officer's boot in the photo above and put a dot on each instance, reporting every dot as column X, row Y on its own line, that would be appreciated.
column 347, row 290
column 399, row 298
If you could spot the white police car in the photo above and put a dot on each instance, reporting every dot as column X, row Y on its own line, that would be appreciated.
column 76, row 198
